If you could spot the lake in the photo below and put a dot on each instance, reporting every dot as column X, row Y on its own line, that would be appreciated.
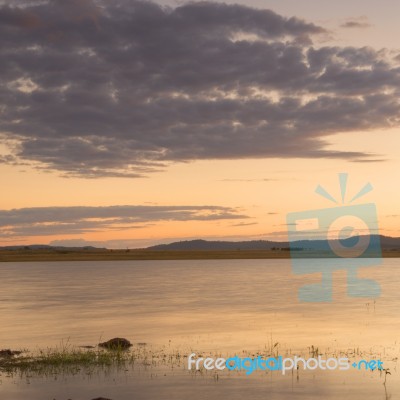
column 214, row 306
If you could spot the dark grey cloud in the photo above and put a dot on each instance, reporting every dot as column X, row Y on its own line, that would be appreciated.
column 47, row 221
column 124, row 88
column 244, row 224
column 356, row 24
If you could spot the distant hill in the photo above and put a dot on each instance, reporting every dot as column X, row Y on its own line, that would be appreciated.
column 50, row 248
column 387, row 243
column 218, row 245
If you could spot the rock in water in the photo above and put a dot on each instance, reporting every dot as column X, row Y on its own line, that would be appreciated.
column 100, row 398
column 9, row 353
column 116, row 344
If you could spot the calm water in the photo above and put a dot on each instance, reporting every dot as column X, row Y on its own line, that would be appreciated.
column 223, row 306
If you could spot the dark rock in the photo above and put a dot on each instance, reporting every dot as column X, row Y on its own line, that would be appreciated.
column 9, row 353
column 101, row 398
column 116, row 344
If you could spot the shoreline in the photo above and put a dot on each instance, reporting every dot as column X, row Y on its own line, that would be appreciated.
column 140, row 254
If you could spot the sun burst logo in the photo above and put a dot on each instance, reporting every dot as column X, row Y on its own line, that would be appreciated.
column 345, row 237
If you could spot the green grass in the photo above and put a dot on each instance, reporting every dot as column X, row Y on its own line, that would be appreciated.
column 66, row 360
column 69, row 360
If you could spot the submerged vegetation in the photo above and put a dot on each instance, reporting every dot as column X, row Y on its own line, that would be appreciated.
column 71, row 360
column 120, row 355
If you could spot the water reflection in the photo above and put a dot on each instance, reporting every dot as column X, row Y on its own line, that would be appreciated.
column 224, row 306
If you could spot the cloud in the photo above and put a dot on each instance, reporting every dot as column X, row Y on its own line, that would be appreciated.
column 125, row 88
column 356, row 23
column 247, row 180
column 244, row 224
column 109, row 244
column 48, row 221
column 370, row 160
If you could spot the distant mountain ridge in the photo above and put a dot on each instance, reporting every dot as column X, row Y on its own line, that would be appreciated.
column 387, row 243
column 200, row 244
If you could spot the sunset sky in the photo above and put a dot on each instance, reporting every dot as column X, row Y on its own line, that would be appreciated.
column 130, row 123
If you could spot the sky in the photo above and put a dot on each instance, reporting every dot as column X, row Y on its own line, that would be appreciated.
column 130, row 123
